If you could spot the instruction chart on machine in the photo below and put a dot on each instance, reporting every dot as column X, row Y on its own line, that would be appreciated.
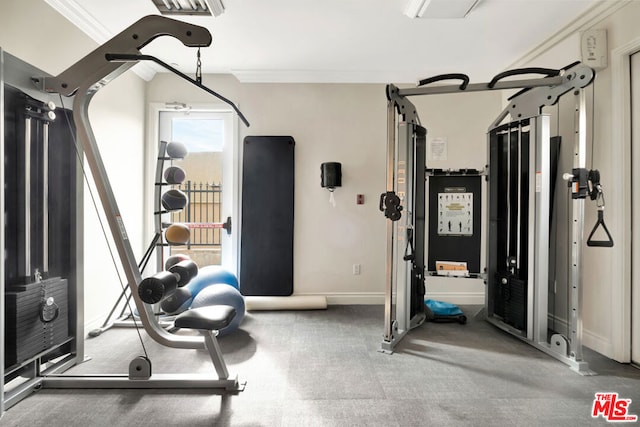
column 455, row 213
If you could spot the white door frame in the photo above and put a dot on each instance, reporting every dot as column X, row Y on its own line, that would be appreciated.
column 635, row 219
column 232, row 156
column 621, row 285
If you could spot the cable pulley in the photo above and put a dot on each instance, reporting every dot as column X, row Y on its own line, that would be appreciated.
column 586, row 183
column 390, row 205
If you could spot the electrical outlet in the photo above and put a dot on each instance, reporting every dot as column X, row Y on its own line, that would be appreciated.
column 356, row 269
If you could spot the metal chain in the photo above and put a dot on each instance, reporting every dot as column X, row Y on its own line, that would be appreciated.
column 198, row 68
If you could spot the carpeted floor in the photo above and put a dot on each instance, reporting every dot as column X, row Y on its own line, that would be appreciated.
column 322, row 368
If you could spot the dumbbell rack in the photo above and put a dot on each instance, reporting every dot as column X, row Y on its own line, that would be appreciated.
column 158, row 208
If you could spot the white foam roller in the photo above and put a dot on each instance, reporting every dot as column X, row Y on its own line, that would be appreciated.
column 294, row 302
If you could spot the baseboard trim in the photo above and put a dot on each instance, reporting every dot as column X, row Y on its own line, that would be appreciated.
column 553, row 320
column 94, row 323
column 377, row 298
column 462, row 298
column 597, row 343
column 351, row 298
column 594, row 341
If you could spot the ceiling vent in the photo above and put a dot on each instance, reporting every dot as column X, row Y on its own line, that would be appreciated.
column 190, row 7
column 439, row 9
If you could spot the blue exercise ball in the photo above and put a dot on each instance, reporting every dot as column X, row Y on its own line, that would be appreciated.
column 222, row 294
column 211, row 275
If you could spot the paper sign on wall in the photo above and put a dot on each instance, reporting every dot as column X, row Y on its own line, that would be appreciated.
column 438, row 148
column 455, row 213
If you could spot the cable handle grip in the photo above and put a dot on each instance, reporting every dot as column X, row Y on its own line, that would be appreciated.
column 600, row 243
column 549, row 72
column 450, row 76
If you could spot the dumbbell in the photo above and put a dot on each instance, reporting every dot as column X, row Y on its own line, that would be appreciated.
column 174, row 259
column 184, row 271
column 155, row 288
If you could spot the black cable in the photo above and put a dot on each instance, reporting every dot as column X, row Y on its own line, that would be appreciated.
column 102, row 227
column 569, row 264
column 555, row 243
column 593, row 121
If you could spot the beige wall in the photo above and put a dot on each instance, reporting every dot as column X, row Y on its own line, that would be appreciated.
column 345, row 123
column 35, row 33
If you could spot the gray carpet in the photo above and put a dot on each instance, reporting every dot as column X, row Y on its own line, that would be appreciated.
column 322, row 368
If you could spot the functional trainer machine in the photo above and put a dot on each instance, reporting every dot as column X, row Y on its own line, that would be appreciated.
column 82, row 81
column 519, row 207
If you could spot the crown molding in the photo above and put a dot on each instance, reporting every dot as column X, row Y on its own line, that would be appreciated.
column 323, row 76
column 599, row 11
column 82, row 19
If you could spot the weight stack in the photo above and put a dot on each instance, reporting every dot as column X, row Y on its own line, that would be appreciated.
column 515, row 304
column 511, row 300
column 26, row 333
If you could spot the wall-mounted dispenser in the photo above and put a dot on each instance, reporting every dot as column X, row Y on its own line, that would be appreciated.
column 331, row 177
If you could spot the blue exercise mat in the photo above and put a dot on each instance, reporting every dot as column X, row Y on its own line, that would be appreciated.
column 440, row 311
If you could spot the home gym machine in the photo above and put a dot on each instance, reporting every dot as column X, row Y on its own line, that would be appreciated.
column 82, row 81
column 519, row 209
column 40, row 233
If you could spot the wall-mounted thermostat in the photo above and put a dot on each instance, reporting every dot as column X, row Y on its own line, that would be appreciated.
column 594, row 48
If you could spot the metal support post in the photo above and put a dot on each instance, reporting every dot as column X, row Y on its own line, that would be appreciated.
column 540, row 189
column 577, row 226
column 398, row 205
column 389, row 312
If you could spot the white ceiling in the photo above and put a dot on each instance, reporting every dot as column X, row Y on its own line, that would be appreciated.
column 363, row 41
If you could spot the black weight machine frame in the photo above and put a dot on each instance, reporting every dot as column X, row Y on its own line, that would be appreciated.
column 403, row 204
